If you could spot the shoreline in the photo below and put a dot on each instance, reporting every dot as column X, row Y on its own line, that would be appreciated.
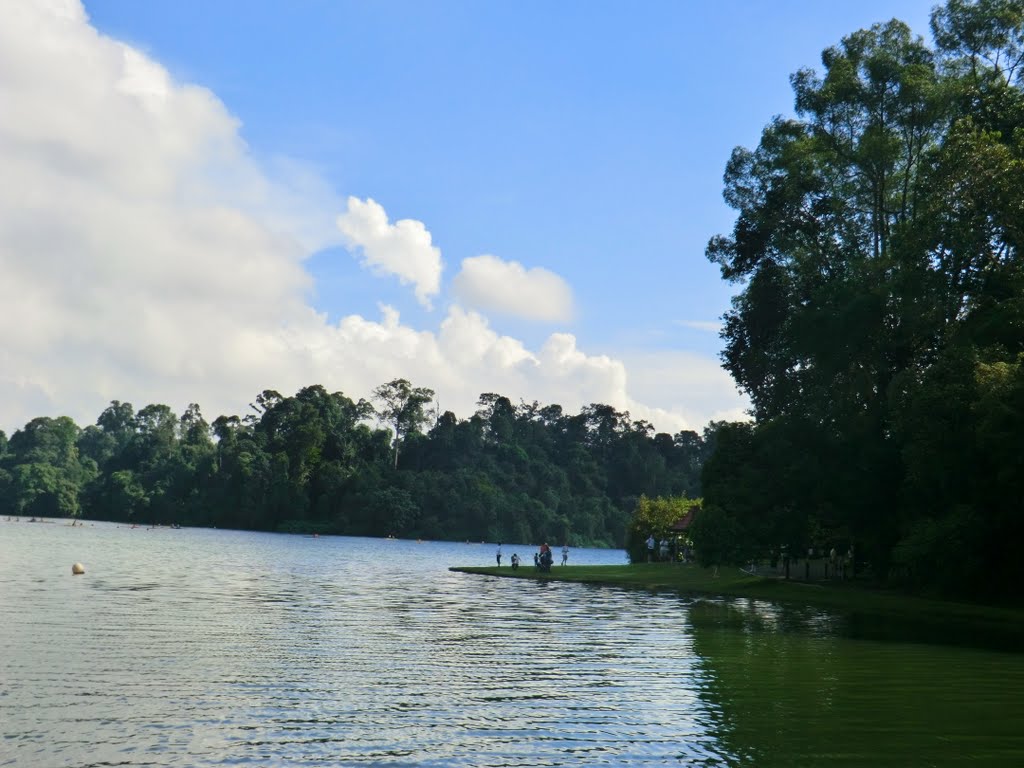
column 945, row 621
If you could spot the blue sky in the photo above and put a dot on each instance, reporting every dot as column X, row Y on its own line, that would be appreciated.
column 583, row 139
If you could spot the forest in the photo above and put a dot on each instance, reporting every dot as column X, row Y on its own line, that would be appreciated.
column 878, row 324
column 321, row 462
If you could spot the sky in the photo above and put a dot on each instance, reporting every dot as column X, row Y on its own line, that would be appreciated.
column 203, row 200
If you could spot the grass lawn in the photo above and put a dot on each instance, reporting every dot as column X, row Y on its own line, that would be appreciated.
column 1008, row 623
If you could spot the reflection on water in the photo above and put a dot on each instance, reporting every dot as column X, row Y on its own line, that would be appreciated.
column 788, row 690
column 204, row 648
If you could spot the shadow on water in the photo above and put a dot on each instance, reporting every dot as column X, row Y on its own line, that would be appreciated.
column 794, row 686
column 977, row 632
column 938, row 630
column 984, row 632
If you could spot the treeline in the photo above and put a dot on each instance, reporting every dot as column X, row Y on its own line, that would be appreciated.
column 879, row 329
column 319, row 461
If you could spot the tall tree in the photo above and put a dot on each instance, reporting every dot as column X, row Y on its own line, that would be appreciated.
column 876, row 249
column 403, row 407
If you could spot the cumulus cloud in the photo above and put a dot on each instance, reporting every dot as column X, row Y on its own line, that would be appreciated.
column 466, row 356
column 507, row 287
column 402, row 249
column 684, row 388
column 146, row 256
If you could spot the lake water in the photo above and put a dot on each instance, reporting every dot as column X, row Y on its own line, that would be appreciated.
column 203, row 647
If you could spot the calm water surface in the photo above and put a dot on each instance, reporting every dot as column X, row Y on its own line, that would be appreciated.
column 202, row 648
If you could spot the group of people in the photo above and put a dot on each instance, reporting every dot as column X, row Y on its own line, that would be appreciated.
column 841, row 565
column 657, row 551
column 542, row 559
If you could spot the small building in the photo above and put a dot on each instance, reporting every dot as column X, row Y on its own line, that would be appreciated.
column 682, row 525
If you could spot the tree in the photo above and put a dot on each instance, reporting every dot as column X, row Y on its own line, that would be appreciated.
column 47, row 473
column 125, row 494
column 654, row 517
column 401, row 406
column 877, row 252
column 310, row 462
column 118, row 420
column 717, row 538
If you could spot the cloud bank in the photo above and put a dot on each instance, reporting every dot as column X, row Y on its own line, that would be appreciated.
column 146, row 256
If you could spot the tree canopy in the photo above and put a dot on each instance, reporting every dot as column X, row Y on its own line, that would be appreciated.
column 879, row 323
column 320, row 461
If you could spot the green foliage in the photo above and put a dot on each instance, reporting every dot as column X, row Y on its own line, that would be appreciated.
column 718, row 538
column 43, row 469
column 654, row 517
column 878, row 328
column 125, row 493
column 933, row 554
column 42, row 490
column 313, row 462
column 402, row 406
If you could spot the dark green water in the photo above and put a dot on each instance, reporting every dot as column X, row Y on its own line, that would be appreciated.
column 212, row 648
column 806, row 696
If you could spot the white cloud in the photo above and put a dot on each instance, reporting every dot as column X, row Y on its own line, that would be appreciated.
column 141, row 248
column 684, row 388
column 402, row 249
column 467, row 357
column 491, row 284
column 146, row 256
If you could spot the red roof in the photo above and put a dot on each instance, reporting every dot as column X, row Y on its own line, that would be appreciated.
column 684, row 522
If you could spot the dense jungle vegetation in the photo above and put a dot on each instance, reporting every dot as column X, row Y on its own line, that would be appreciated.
column 319, row 461
column 878, row 326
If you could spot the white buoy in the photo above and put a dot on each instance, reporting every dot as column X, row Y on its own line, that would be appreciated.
column 77, row 569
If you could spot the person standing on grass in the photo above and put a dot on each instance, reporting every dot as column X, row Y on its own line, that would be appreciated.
column 546, row 558
column 565, row 554
column 650, row 548
column 498, row 556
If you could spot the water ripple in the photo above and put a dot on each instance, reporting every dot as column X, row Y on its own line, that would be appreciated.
column 210, row 648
